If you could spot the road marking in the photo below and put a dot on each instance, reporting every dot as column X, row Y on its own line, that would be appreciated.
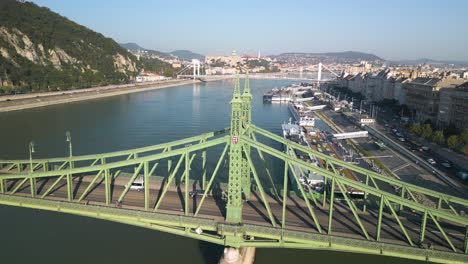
column 401, row 167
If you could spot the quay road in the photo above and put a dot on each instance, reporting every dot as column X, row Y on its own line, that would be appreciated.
column 32, row 100
column 407, row 170
column 254, row 212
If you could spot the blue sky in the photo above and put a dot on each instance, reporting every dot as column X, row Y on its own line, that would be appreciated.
column 397, row 29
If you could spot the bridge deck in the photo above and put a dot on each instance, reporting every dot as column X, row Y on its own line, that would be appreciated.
column 254, row 211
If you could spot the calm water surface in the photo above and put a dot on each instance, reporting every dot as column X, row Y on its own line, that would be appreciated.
column 123, row 122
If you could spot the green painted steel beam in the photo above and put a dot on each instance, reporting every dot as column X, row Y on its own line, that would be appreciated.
column 261, row 190
column 358, row 185
column 284, row 238
column 395, row 215
column 131, row 180
column 330, row 212
column 353, row 210
column 187, row 183
column 168, row 182
column 355, row 168
column 90, row 186
column 119, row 164
column 114, row 154
column 379, row 221
column 69, row 187
column 306, row 199
column 235, row 187
column 285, row 194
column 443, row 232
column 422, row 231
column 52, row 186
column 210, row 182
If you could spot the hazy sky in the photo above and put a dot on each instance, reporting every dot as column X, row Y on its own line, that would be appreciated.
column 392, row 29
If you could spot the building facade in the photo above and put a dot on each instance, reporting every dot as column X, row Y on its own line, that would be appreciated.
column 422, row 96
column 453, row 107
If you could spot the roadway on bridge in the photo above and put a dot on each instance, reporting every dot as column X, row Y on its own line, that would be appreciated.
column 254, row 212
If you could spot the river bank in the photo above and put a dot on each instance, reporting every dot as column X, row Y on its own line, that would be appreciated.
column 24, row 101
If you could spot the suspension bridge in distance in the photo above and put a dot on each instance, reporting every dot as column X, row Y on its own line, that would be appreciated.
column 218, row 187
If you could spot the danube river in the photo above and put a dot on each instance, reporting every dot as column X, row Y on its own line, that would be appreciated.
column 123, row 122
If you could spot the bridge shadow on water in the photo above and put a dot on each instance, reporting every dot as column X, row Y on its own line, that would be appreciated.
column 211, row 252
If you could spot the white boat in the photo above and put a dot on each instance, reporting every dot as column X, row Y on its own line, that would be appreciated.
column 314, row 181
column 296, row 110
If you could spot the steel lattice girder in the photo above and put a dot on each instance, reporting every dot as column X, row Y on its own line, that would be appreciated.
column 358, row 185
column 373, row 175
column 216, row 232
column 120, row 164
column 114, row 154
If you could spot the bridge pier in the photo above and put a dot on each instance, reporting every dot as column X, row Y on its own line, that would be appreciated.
column 245, row 255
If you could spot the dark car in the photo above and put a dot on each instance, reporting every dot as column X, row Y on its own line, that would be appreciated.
column 462, row 175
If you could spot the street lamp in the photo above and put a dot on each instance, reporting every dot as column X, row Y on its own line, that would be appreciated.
column 70, row 149
column 31, row 151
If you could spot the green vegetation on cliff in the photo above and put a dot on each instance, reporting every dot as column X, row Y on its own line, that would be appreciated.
column 43, row 51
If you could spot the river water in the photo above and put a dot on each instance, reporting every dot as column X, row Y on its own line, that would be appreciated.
column 123, row 122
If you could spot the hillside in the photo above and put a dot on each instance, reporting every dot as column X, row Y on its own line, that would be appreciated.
column 133, row 47
column 423, row 61
column 41, row 50
column 328, row 57
column 187, row 55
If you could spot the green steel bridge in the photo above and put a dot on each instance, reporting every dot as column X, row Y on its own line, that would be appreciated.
column 219, row 187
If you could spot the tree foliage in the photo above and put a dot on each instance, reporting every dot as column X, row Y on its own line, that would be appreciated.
column 464, row 136
column 453, row 141
column 416, row 128
column 48, row 31
column 438, row 137
column 426, row 131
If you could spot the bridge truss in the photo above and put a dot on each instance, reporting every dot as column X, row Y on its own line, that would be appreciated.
column 220, row 187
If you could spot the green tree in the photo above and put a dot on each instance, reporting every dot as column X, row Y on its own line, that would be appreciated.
column 453, row 141
column 426, row 131
column 465, row 149
column 438, row 137
column 464, row 136
column 416, row 128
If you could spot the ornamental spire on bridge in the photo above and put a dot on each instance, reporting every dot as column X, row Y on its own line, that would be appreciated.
column 234, row 203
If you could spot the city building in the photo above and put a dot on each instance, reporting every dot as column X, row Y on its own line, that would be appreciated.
column 357, row 83
column 453, row 107
column 422, row 96
column 149, row 77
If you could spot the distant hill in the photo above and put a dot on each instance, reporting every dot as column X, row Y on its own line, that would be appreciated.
column 131, row 46
column 329, row 57
column 354, row 55
column 187, row 55
column 41, row 50
column 430, row 61
column 135, row 47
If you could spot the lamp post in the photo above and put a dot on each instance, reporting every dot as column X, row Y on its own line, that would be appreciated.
column 31, row 151
column 70, row 148
column 69, row 140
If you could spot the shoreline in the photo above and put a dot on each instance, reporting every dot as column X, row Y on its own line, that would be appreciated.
column 11, row 103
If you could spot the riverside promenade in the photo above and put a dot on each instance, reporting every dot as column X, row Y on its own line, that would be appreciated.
column 10, row 103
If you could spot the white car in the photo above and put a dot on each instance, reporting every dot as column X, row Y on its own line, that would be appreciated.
column 431, row 161
column 402, row 139
column 138, row 184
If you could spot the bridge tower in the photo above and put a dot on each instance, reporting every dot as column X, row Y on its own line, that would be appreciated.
column 234, row 203
column 196, row 68
column 319, row 73
column 247, row 119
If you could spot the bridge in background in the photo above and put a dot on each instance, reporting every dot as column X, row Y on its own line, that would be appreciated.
column 297, row 76
column 218, row 187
